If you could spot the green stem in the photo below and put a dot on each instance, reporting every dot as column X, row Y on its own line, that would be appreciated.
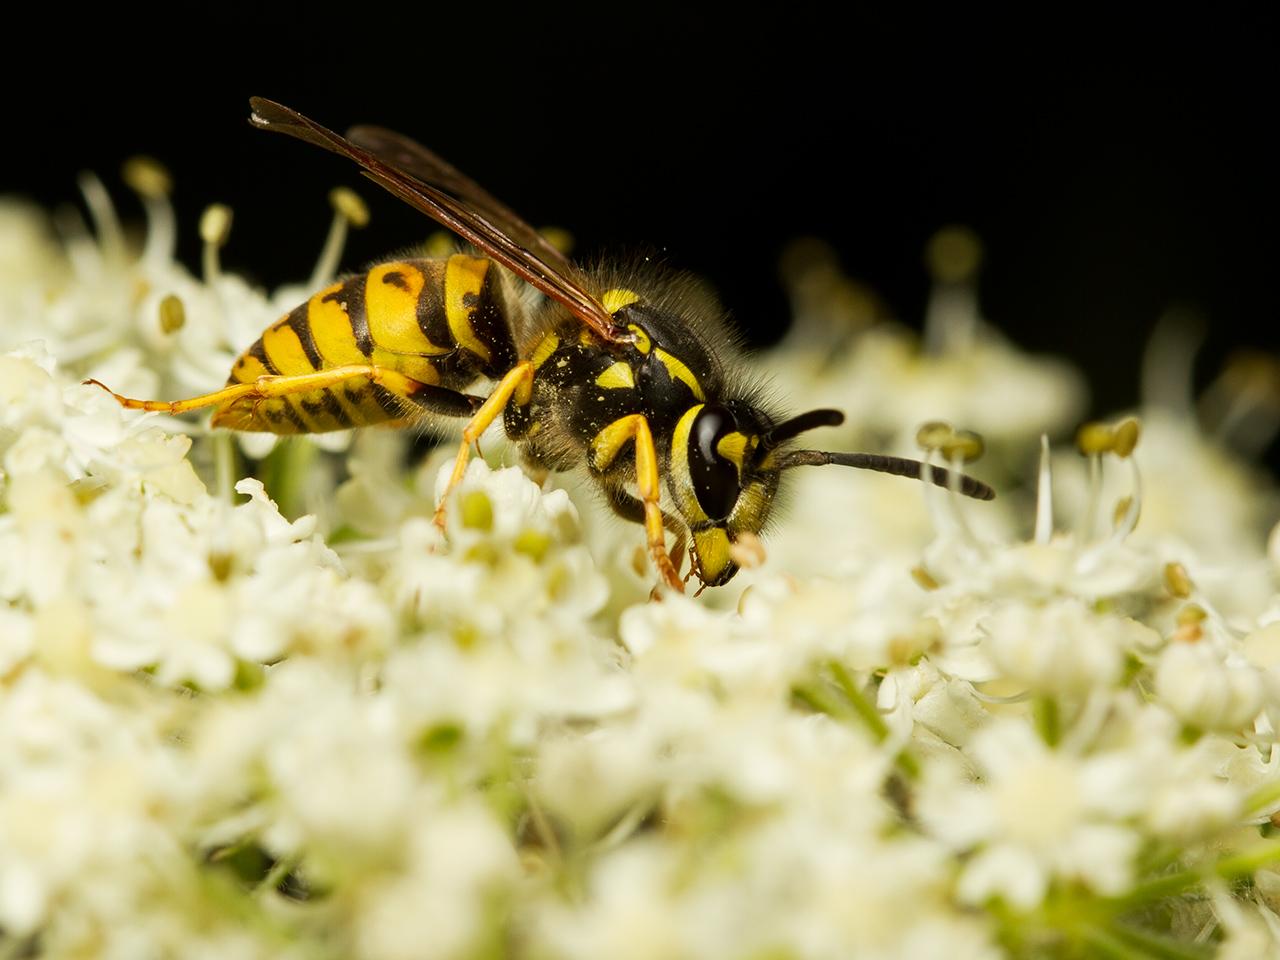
column 1228, row 868
column 866, row 712
column 1245, row 863
column 1105, row 944
column 275, row 876
column 1047, row 719
column 1154, row 945
column 1262, row 798
column 864, row 708
column 818, row 701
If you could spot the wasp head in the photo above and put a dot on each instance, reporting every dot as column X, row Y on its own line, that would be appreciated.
column 725, row 469
column 727, row 461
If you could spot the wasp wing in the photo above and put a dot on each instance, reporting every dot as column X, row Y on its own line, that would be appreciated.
column 459, row 215
column 425, row 165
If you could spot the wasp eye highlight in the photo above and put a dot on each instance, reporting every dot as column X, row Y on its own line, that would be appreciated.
column 714, row 477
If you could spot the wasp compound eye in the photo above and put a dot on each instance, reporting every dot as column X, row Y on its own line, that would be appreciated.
column 714, row 476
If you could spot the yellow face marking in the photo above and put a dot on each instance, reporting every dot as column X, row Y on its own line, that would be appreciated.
column 331, row 330
column 733, row 446
column 617, row 377
column 678, row 475
column 284, row 349
column 679, row 371
column 712, row 546
column 463, row 288
column 617, row 298
column 752, row 507
column 543, row 351
column 643, row 343
column 391, row 307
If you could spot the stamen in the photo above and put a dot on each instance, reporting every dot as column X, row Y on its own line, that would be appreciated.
column 348, row 209
column 1126, row 435
column 560, row 238
column 957, row 509
column 105, row 221
column 962, row 446
column 1044, row 495
column 151, row 181
column 1168, row 362
column 994, row 699
column 1093, row 440
column 953, row 256
column 1242, row 407
column 1133, row 509
column 215, row 228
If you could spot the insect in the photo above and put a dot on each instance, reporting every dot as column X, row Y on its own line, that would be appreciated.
column 616, row 371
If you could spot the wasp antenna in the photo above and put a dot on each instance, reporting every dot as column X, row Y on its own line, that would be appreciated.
column 784, row 431
column 898, row 466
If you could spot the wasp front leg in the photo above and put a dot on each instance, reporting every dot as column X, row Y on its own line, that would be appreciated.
column 624, row 505
column 605, row 447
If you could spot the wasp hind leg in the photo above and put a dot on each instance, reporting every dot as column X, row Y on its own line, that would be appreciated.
column 432, row 398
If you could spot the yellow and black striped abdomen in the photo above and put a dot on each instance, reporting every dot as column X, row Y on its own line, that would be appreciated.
column 441, row 322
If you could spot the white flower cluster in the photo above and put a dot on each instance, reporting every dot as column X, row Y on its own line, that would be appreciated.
column 918, row 730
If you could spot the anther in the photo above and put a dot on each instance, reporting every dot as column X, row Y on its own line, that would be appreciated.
column 962, row 445
column 172, row 313
column 1125, row 437
column 924, row 578
column 215, row 229
column 348, row 210
column 932, row 435
column 149, row 179
column 346, row 201
column 1177, row 581
column 439, row 244
column 559, row 238
column 1095, row 438
column 953, row 254
column 1191, row 613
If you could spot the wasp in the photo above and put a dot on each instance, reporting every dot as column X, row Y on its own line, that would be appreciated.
column 621, row 372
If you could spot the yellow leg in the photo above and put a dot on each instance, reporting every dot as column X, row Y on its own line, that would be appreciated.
column 274, row 386
column 518, row 383
column 606, row 446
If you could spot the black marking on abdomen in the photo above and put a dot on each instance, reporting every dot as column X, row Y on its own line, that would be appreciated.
column 433, row 321
column 327, row 403
column 259, row 353
column 388, row 401
column 297, row 322
column 351, row 298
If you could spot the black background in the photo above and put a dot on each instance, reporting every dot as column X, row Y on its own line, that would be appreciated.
column 1112, row 172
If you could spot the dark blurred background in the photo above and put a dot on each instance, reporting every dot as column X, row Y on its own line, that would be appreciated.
column 1111, row 172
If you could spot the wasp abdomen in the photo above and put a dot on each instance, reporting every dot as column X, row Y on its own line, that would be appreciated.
column 441, row 322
